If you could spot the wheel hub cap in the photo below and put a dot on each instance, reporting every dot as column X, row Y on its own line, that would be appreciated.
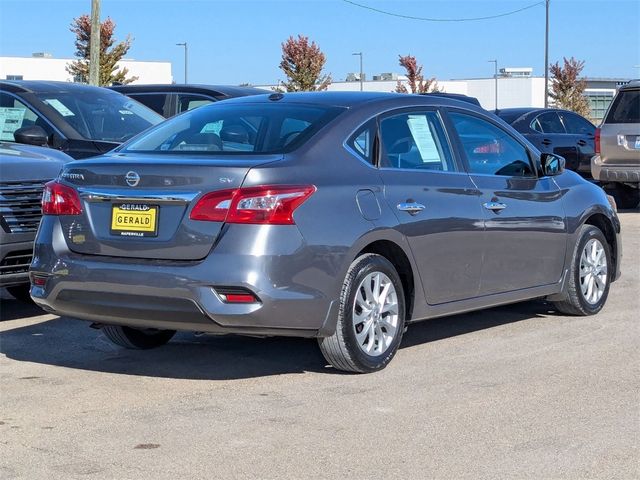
column 375, row 314
column 593, row 271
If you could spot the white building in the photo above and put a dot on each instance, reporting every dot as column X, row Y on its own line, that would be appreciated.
column 41, row 66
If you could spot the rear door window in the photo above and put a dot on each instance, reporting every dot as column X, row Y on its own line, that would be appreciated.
column 548, row 122
column 415, row 140
column 625, row 108
column 189, row 101
column 158, row 102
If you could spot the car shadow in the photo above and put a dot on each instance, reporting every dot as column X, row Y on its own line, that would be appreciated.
column 70, row 343
column 11, row 309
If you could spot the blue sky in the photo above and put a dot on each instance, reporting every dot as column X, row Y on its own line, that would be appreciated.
column 239, row 41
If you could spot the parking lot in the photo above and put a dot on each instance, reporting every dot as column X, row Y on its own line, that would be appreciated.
column 512, row 392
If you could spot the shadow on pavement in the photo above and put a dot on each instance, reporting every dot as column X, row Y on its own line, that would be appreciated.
column 11, row 309
column 71, row 343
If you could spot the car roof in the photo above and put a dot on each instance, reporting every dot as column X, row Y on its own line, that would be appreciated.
column 353, row 99
column 43, row 86
column 631, row 85
column 226, row 90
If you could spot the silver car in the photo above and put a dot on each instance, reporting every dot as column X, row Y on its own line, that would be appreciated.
column 339, row 216
column 617, row 161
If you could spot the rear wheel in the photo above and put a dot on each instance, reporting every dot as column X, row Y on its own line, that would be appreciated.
column 20, row 292
column 135, row 338
column 371, row 317
column 589, row 277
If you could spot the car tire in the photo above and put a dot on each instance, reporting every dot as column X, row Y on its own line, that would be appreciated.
column 137, row 339
column 20, row 292
column 626, row 197
column 369, row 327
column 589, row 277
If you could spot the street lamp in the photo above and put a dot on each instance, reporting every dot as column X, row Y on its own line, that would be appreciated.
column 184, row 44
column 546, row 55
column 361, row 74
column 495, row 63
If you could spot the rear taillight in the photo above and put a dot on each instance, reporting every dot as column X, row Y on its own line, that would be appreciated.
column 596, row 139
column 271, row 204
column 58, row 199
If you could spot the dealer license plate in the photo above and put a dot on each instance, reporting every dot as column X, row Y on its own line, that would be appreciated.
column 134, row 220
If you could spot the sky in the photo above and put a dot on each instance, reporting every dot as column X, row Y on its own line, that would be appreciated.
column 233, row 42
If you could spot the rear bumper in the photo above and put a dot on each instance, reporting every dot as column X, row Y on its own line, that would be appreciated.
column 295, row 298
column 606, row 172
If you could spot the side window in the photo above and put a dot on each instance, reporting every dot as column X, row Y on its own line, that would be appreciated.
column 577, row 125
column 548, row 122
column 188, row 101
column 489, row 149
column 158, row 102
column 415, row 140
column 362, row 141
column 14, row 115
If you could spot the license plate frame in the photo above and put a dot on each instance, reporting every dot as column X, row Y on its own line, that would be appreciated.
column 134, row 220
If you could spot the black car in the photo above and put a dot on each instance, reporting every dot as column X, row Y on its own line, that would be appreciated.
column 25, row 170
column 169, row 100
column 556, row 131
column 80, row 120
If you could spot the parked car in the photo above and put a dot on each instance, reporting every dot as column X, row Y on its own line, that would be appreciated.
column 25, row 170
column 617, row 160
column 169, row 100
column 556, row 131
column 80, row 120
column 337, row 215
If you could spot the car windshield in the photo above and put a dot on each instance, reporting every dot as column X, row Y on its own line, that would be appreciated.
column 101, row 115
column 225, row 128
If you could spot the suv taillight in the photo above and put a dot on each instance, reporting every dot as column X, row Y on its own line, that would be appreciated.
column 596, row 140
column 269, row 204
column 58, row 199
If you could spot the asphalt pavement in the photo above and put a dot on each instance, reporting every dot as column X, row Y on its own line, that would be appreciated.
column 515, row 392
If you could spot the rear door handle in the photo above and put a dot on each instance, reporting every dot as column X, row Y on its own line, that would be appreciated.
column 494, row 206
column 582, row 143
column 546, row 141
column 412, row 208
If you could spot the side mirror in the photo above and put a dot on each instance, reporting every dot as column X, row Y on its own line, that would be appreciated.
column 31, row 135
column 552, row 164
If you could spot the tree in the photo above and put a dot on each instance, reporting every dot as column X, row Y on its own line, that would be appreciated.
column 302, row 62
column 110, row 54
column 416, row 80
column 567, row 91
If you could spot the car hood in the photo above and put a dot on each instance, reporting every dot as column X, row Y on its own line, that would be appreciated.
column 25, row 162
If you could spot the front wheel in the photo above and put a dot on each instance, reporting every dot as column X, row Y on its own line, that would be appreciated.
column 135, row 338
column 589, row 275
column 371, row 317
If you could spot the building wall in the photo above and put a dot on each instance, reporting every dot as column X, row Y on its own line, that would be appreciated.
column 37, row 68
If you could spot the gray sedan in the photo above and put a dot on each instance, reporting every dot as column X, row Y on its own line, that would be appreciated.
column 340, row 216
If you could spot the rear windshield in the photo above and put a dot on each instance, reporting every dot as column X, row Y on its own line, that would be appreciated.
column 102, row 115
column 236, row 129
column 625, row 108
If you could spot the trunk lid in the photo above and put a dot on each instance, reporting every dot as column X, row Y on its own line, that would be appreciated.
column 138, row 206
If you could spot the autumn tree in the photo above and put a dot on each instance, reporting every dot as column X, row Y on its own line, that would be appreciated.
column 110, row 52
column 567, row 90
column 415, row 79
column 302, row 63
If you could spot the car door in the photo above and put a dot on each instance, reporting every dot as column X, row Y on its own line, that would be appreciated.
column 581, row 133
column 435, row 202
column 525, row 234
column 551, row 137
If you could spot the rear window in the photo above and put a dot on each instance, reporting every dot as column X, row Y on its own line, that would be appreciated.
column 236, row 129
column 625, row 108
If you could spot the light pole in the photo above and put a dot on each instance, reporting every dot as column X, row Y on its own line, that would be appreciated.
column 495, row 75
column 94, row 44
column 361, row 74
column 546, row 55
column 184, row 44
